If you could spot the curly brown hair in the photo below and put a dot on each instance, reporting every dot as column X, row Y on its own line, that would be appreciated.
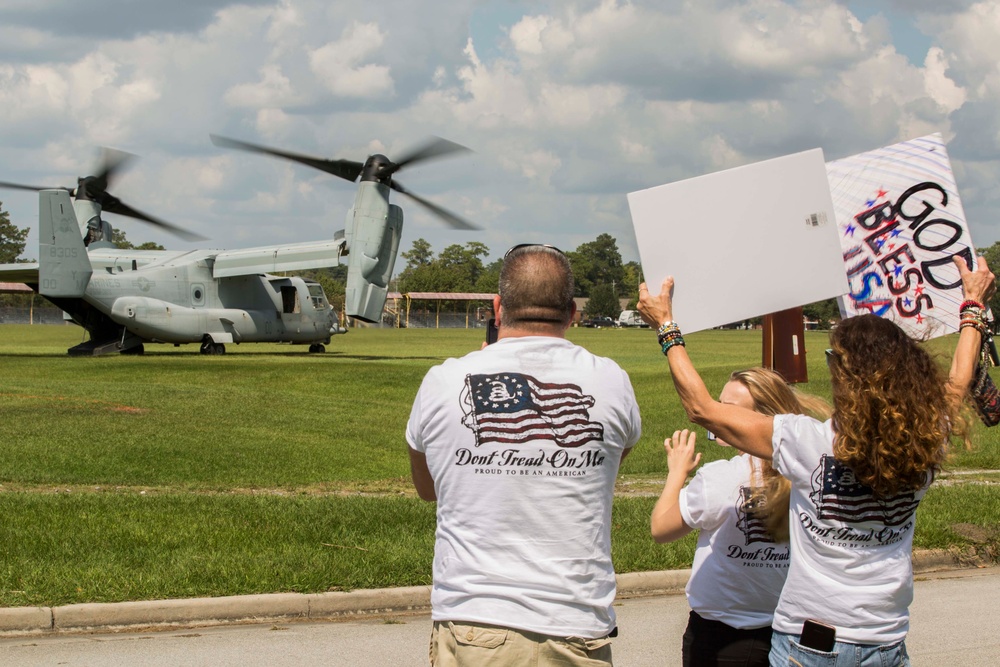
column 773, row 396
column 893, row 417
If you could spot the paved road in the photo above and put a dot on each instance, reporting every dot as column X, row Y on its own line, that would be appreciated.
column 953, row 622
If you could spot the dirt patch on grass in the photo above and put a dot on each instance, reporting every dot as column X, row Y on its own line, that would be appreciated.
column 639, row 485
column 627, row 486
column 974, row 533
column 388, row 487
column 74, row 400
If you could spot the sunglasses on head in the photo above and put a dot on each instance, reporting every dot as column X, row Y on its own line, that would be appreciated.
column 532, row 245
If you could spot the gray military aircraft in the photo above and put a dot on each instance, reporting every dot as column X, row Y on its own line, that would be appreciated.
column 126, row 298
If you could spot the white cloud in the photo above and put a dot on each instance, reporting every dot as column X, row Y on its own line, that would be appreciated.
column 27, row 92
column 273, row 89
column 634, row 151
column 340, row 65
column 539, row 166
column 273, row 124
column 568, row 107
column 939, row 87
column 536, row 35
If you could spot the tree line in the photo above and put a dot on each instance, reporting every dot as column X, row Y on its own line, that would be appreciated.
column 601, row 275
column 598, row 269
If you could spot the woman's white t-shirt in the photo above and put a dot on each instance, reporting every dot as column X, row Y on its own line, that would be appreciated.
column 851, row 551
column 738, row 569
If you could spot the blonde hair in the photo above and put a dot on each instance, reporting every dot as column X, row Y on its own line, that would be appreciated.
column 773, row 396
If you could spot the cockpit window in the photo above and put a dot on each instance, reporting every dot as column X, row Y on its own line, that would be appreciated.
column 317, row 296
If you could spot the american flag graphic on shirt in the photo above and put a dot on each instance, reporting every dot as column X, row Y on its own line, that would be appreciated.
column 514, row 408
column 749, row 516
column 839, row 496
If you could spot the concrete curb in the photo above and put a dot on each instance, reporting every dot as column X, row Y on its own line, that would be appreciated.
column 281, row 607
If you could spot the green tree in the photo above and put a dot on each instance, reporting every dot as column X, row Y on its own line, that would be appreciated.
column 992, row 255
column 825, row 312
column 603, row 302
column 12, row 239
column 419, row 255
column 465, row 263
column 598, row 263
column 426, row 278
column 457, row 269
column 333, row 280
column 489, row 279
column 630, row 284
column 118, row 238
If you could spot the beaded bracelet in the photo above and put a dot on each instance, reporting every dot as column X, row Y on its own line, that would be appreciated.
column 666, row 345
column 666, row 326
column 978, row 326
column 667, row 330
column 970, row 303
column 974, row 315
column 668, row 335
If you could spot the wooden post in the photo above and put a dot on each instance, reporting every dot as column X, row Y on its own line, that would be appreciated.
column 784, row 345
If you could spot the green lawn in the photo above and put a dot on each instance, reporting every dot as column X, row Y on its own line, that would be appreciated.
column 268, row 469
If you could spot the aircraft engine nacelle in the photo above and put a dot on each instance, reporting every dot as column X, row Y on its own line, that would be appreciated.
column 372, row 243
column 97, row 231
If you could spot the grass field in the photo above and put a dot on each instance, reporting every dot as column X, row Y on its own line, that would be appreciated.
column 268, row 469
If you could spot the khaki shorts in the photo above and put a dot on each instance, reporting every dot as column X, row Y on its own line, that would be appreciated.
column 459, row 644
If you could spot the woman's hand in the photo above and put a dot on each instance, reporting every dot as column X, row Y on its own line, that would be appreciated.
column 978, row 285
column 666, row 523
column 656, row 310
column 681, row 457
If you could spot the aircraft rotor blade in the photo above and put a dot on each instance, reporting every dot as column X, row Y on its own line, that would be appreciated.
column 95, row 188
column 433, row 148
column 450, row 218
column 111, row 204
column 346, row 169
column 111, row 162
column 36, row 188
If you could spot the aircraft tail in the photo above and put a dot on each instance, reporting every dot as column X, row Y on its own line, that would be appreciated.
column 63, row 264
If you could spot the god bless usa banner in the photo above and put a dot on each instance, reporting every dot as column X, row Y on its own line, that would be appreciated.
column 900, row 223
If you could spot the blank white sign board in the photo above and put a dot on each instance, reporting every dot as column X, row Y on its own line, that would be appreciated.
column 742, row 243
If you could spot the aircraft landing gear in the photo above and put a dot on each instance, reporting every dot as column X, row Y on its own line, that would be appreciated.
column 209, row 347
column 317, row 348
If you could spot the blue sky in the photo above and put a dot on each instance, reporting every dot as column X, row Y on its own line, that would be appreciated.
column 568, row 105
column 907, row 39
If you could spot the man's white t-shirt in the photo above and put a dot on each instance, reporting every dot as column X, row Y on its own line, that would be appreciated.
column 851, row 564
column 738, row 569
column 523, row 440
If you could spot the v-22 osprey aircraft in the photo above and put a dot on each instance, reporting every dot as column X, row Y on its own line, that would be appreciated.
column 125, row 298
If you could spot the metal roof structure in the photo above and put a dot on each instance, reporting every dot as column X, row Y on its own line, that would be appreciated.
column 15, row 288
column 444, row 296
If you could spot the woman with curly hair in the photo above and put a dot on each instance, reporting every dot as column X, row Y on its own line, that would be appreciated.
column 856, row 479
column 741, row 508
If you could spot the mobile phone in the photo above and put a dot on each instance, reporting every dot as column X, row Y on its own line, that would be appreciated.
column 709, row 435
column 818, row 636
column 491, row 331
